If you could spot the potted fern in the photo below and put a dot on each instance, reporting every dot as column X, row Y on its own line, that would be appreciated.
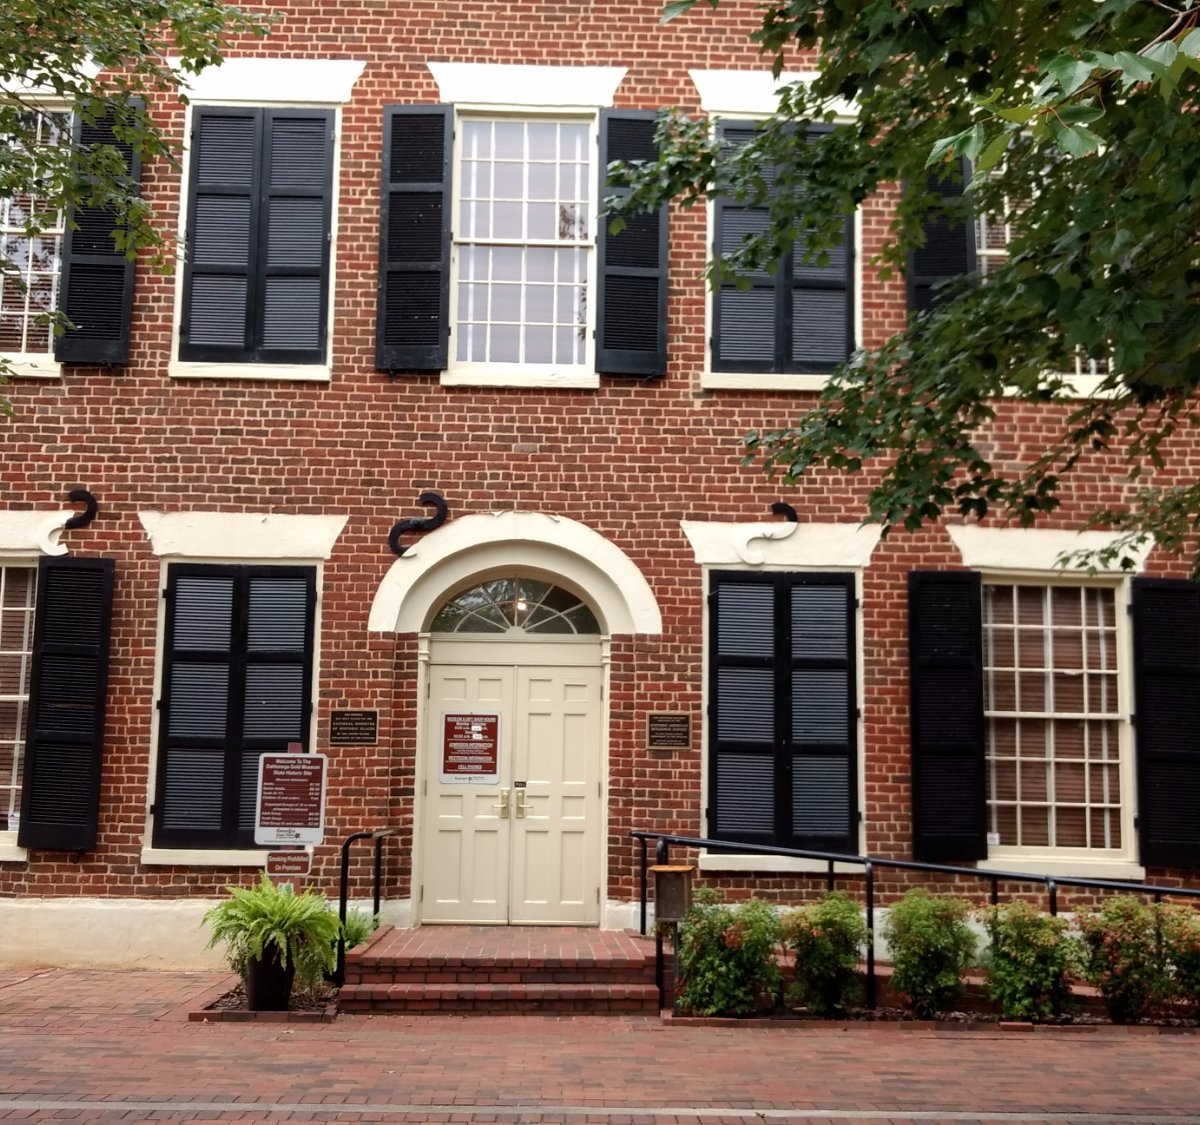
column 271, row 935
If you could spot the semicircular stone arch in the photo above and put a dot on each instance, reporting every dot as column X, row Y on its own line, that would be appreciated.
column 470, row 550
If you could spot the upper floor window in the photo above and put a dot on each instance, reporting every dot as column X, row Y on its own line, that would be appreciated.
column 796, row 317
column 32, row 237
column 256, row 284
column 525, row 243
column 531, row 290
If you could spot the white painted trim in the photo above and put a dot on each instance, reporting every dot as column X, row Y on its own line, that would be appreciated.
column 753, row 380
column 202, row 857
column 531, row 377
column 298, row 372
column 781, row 544
column 471, row 546
column 1118, row 870
column 520, row 86
column 23, row 534
column 1032, row 548
column 31, row 365
column 274, row 81
column 241, row 535
column 732, row 93
column 9, row 851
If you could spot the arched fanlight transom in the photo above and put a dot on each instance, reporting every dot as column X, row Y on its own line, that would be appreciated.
column 516, row 605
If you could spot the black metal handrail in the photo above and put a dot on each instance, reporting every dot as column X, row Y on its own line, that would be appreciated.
column 378, row 835
column 869, row 864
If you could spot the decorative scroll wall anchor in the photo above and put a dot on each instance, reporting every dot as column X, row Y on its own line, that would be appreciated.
column 418, row 523
column 82, row 496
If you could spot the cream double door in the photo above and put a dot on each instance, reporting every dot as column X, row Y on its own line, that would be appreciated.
column 512, row 808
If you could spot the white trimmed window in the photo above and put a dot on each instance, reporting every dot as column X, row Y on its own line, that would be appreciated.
column 524, row 244
column 32, row 269
column 18, row 586
column 1056, row 719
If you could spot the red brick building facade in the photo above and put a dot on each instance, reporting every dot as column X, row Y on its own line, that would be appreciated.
column 395, row 283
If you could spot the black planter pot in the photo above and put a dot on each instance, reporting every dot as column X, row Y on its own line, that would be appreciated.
column 268, row 983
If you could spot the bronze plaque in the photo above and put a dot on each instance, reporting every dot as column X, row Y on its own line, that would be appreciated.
column 353, row 728
column 668, row 730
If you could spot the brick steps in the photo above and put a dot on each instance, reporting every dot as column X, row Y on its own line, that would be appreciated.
column 491, row 997
column 505, row 969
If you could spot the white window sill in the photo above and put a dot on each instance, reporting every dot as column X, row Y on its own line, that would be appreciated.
column 296, row 372
column 782, row 863
column 32, row 366
column 203, row 857
column 1122, row 871
column 529, row 377
column 753, row 381
column 9, row 852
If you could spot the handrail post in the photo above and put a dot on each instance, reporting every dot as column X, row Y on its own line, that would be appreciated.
column 829, row 878
column 378, row 871
column 869, row 871
column 339, row 974
column 1052, row 891
column 995, row 891
column 642, row 914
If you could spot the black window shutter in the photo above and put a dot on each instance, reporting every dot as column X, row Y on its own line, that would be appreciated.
column 783, row 715
column 746, row 321
column 237, row 676
column 631, row 327
column 293, row 253
column 945, row 629
column 96, row 289
column 949, row 247
column 60, row 799
column 413, row 319
column 256, row 285
column 797, row 317
column 743, row 705
column 1166, row 646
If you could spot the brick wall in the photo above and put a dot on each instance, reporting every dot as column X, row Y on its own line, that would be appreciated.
column 629, row 460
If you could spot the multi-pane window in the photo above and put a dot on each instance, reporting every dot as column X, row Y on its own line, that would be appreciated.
column 237, row 683
column 795, row 316
column 1054, row 716
column 783, row 710
column 256, row 286
column 520, row 605
column 17, row 588
column 32, row 263
column 525, row 241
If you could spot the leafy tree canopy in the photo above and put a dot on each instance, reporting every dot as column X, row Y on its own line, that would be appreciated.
column 1079, row 122
column 94, row 57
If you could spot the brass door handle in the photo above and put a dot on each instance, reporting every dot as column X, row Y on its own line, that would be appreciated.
column 503, row 806
column 520, row 804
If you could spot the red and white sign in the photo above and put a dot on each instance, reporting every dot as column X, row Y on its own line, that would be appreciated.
column 291, row 799
column 289, row 863
column 471, row 748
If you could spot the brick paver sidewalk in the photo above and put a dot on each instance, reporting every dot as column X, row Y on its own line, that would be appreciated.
column 94, row 1046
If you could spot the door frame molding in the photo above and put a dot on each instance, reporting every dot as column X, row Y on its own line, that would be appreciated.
column 506, row 651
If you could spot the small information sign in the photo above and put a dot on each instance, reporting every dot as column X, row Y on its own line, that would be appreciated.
column 291, row 799
column 668, row 730
column 353, row 728
column 471, row 748
column 295, row 863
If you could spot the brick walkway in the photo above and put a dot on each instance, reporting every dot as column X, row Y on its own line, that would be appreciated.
column 92, row 1046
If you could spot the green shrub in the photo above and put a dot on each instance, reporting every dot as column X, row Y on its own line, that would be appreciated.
column 1126, row 957
column 253, row 920
column 827, row 939
column 1181, row 932
column 359, row 926
column 1030, row 962
column 931, row 947
column 727, row 957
